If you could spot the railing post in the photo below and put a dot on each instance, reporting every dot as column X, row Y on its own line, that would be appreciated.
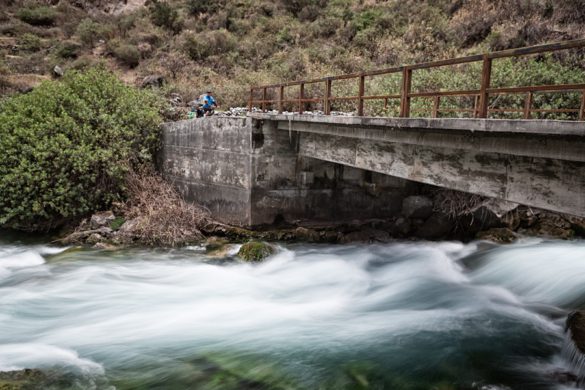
column 301, row 97
column 251, row 101
column 527, row 105
column 280, row 99
column 436, row 103
column 361, row 90
column 405, row 92
column 486, row 75
column 582, row 110
column 326, row 101
column 264, row 97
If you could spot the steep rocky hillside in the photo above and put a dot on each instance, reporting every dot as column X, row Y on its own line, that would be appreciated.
column 231, row 44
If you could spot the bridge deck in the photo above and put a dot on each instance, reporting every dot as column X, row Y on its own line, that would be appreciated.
column 518, row 126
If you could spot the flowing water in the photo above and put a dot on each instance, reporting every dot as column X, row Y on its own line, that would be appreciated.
column 397, row 316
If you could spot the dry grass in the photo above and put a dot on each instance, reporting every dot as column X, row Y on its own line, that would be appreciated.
column 456, row 204
column 158, row 214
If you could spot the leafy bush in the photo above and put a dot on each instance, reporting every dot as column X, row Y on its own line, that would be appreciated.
column 196, row 7
column 208, row 43
column 68, row 49
column 67, row 146
column 89, row 32
column 30, row 42
column 37, row 16
column 164, row 15
column 128, row 54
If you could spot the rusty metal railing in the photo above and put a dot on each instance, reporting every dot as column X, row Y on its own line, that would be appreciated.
column 480, row 96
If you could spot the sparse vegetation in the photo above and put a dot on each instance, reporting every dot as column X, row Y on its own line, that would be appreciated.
column 232, row 44
column 38, row 16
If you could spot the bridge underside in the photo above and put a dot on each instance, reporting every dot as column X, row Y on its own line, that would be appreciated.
column 531, row 162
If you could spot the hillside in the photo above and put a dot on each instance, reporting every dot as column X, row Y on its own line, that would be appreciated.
column 231, row 44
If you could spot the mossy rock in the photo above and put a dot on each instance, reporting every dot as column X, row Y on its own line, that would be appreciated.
column 256, row 251
column 499, row 235
column 29, row 379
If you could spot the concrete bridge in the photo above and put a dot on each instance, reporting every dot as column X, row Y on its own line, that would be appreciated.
column 270, row 166
column 255, row 170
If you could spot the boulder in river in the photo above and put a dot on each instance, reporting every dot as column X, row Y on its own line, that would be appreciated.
column 576, row 326
column 29, row 379
column 256, row 251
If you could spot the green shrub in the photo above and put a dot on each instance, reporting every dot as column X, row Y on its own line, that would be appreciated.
column 208, row 43
column 30, row 42
column 128, row 54
column 164, row 15
column 89, row 32
column 67, row 146
column 68, row 50
column 196, row 7
column 37, row 16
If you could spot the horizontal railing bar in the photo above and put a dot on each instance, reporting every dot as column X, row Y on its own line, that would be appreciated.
column 538, row 49
column 444, row 93
column 537, row 88
column 534, row 110
column 451, row 61
column 370, row 97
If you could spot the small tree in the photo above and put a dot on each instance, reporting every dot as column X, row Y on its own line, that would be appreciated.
column 67, row 145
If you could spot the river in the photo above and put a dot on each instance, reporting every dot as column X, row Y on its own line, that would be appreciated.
column 406, row 315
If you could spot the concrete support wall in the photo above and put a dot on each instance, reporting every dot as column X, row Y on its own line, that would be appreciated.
column 209, row 163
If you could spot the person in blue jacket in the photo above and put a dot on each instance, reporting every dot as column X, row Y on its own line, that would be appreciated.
column 207, row 104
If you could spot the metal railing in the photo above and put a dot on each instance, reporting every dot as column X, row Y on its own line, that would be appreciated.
column 480, row 96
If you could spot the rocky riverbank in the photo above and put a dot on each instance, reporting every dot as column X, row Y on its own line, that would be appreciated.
column 439, row 216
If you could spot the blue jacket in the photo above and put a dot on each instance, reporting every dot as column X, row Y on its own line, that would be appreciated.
column 208, row 101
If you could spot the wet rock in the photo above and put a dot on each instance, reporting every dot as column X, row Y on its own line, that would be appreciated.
column 330, row 236
column 103, row 218
column 550, row 225
column 256, row 251
column 130, row 225
column 94, row 238
column 576, row 325
column 366, row 235
column 153, row 81
column 417, row 206
column 81, row 236
column 401, row 227
column 217, row 247
column 105, row 246
column 304, row 234
column 499, row 235
column 577, row 225
column 438, row 225
column 32, row 379
column 214, row 243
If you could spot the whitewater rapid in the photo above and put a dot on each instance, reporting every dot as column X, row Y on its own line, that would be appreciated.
column 419, row 313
